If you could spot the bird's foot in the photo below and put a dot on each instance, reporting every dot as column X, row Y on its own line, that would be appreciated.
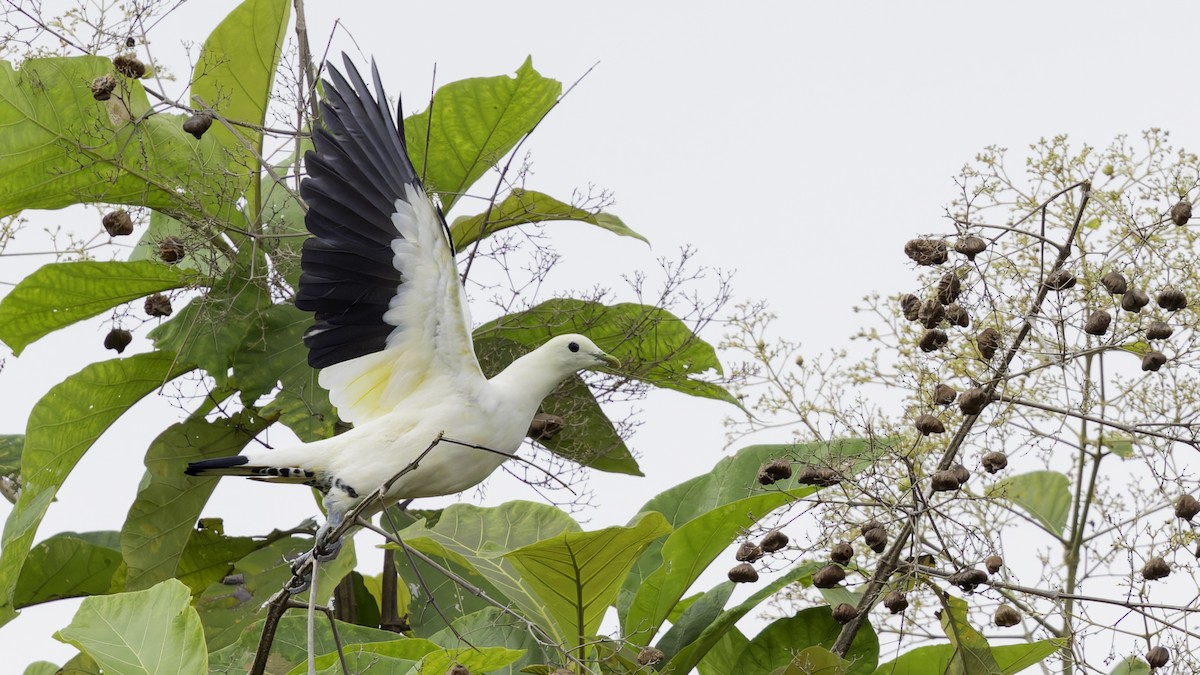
column 324, row 551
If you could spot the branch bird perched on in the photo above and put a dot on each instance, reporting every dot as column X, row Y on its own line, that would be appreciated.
column 392, row 332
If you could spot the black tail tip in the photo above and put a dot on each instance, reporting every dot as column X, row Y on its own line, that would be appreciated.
column 204, row 466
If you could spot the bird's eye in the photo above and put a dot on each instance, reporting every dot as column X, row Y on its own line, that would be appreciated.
column 574, row 346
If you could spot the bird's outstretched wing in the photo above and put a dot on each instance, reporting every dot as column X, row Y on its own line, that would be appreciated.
column 379, row 269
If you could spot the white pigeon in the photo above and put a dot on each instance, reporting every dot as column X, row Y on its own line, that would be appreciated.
column 392, row 332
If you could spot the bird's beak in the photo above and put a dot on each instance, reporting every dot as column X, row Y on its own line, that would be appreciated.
column 608, row 359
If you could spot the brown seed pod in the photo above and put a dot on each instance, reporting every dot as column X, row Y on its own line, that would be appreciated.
column 821, row 476
column 197, row 124
column 910, row 305
column 1187, row 507
column 118, row 339
column 1134, row 300
column 928, row 424
column 841, row 553
column 968, row 579
column 158, row 305
column 102, row 87
column 994, row 461
column 1006, row 616
column 957, row 316
column 1155, row 568
column 844, row 613
column 828, row 576
column 458, row 669
column 748, row 552
column 129, row 66
column 933, row 340
column 1152, row 361
column 931, row 313
column 1159, row 330
column 993, row 563
column 1060, row 280
column 650, row 656
column 961, row 474
column 949, row 288
column 895, row 602
column 988, row 342
column 944, row 481
column 1097, row 323
column 944, row 394
column 1114, row 283
column 970, row 246
column 743, row 573
column 870, row 525
column 1172, row 299
column 773, row 541
column 876, row 538
column 117, row 223
column 926, row 251
column 1181, row 213
column 1158, row 657
column 774, row 470
column 973, row 401
column 171, row 250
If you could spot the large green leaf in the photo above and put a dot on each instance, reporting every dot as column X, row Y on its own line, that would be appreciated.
column 688, row 552
column 667, row 570
column 290, row 647
column 429, row 589
column 938, row 658
column 689, row 656
column 490, row 626
column 653, row 345
column 972, row 653
column 721, row 657
column 588, row 437
column 476, row 122
column 235, row 75
column 210, row 555
column 813, row 627
column 227, row 609
column 480, row 539
column 577, row 574
column 159, row 524
column 61, row 428
column 698, row 615
column 817, row 661
column 10, row 453
column 57, row 295
column 61, row 147
column 212, row 328
column 151, row 631
column 70, row 565
column 526, row 206
column 276, row 356
column 1045, row 495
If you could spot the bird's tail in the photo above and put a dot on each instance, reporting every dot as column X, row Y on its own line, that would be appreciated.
column 239, row 465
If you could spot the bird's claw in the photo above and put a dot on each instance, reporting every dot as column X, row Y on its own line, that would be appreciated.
column 325, row 551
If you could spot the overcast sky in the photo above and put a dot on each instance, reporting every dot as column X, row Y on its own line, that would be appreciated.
column 798, row 144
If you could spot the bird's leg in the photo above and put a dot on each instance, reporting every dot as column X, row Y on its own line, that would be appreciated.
column 325, row 548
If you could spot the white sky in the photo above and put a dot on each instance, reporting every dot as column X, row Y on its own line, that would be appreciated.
column 797, row 143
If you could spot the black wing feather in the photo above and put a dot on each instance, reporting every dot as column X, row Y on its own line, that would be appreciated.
column 357, row 170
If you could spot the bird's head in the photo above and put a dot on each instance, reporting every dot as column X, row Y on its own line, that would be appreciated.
column 576, row 352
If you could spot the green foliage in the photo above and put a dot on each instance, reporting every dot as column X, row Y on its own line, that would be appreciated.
column 944, row 658
column 62, row 426
column 60, row 294
column 70, row 565
column 474, row 124
column 526, row 206
column 774, row 647
column 150, row 631
column 1045, row 495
